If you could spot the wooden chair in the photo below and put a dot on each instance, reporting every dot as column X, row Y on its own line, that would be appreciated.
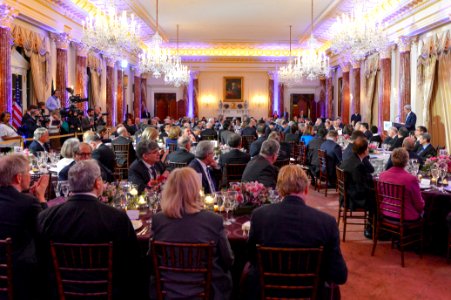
column 322, row 157
column 343, row 210
column 281, row 163
column 246, row 141
column 6, row 268
column 390, row 199
column 233, row 173
column 294, row 151
column 172, row 148
column 175, row 165
column 122, row 153
column 83, row 270
column 208, row 138
column 184, row 265
column 289, row 272
column 448, row 256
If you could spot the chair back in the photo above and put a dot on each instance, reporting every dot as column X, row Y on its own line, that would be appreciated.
column 122, row 153
column 172, row 148
column 247, row 140
column 175, row 165
column 322, row 157
column 289, row 272
column 302, row 150
column 341, row 184
column 390, row 200
column 207, row 138
column 281, row 163
column 6, row 268
column 294, row 148
column 182, row 265
column 83, row 270
column 233, row 172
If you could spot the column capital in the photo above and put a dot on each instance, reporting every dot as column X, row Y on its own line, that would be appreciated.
column 194, row 74
column 136, row 71
column 110, row 62
column 61, row 40
column 387, row 51
column 356, row 64
column 345, row 67
column 82, row 49
column 7, row 15
column 405, row 43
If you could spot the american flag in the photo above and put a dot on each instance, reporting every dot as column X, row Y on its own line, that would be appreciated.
column 17, row 106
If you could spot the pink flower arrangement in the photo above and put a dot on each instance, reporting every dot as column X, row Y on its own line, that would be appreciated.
column 439, row 161
column 253, row 193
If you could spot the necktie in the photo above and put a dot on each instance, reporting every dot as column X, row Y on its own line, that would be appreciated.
column 153, row 172
column 210, row 181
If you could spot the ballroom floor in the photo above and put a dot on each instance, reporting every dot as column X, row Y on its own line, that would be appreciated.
column 381, row 276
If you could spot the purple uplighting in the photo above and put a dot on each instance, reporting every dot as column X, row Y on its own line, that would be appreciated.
column 190, row 98
column 275, row 106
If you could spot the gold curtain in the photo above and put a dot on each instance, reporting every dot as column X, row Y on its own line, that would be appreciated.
column 440, row 112
column 371, row 66
column 95, row 64
column 426, row 74
column 37, row 47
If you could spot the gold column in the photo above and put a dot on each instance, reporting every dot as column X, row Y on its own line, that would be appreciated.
column 7, row 15
column 110, row 90
column 81, row 74
column 355, row 87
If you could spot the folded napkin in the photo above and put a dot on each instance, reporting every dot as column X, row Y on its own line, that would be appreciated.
column 246, row 226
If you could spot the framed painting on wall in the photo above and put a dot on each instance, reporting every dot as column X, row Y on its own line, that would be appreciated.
column 233, row 89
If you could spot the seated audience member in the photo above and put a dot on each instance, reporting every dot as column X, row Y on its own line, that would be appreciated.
column 19, row 210
column 40, row 141
column 84, row 219
column 209, row 131
column 130, row 125
column 348, row 152
column 29, row 121
column 67, row 152
column 250, row 129
column 7, row 133
column 365, row 128
column 235, row 155
column 164, row 131
column 184, row 220
column 257, row 144
column 124, row 139
column 285, row 149
column 261, row 167
column 225, row 132
column 189, row 134
column 334, row 155
column 147, row 166
column 359, row 182
column 312, row 152
column 426, row 150
column 173, row 135
column 205, row 166
column 402, row 134
column 347, row 130
column 55, row 123
column 376, row 137
column 291, row 223
column 409, row 145
column 413, row 202
column 392, row 136
column 104, row 134
column 307, row 134
column 182, row 154
column 101, row 152
column 292, row 135
column 418, row 131
column 150, row 134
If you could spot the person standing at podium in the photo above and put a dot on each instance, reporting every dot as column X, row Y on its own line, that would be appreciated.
column 411, row 118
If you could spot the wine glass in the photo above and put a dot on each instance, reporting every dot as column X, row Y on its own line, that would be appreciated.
column 219, row 201
column 231, row 195
column 443, row 170
column 227, row 207
column 64, row 188
column 435, row 173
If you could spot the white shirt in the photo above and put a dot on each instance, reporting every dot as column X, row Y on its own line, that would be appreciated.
column 52, row 103
column 63, row 163
column 8, row 131
column 207, row 172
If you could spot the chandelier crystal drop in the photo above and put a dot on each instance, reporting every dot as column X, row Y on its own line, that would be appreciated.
column 291, row 72
column 177, row 74
column 112, row 33
column 357, row 34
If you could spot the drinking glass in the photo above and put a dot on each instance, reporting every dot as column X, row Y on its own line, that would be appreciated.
column 231, row 195
column 227, row 207
column 435, row 173
column 442, row 174
column 64, row 188
column 56, row 188
column 219, row 201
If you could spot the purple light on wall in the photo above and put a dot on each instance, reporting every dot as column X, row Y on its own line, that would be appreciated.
column 275, row 105
column 190, row 98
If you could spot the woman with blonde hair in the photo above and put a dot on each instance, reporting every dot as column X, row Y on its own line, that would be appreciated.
column 150, row 134
column 183, row 220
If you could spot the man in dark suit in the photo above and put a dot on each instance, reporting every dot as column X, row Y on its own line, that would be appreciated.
column 84, row 219
column 205, row 165
column 411, row 118
column 235, row 155
column 250, row 129
column 419, row 131
column 364, row 127
column 18, row 215
column 312, row 151
column 40, row 143
column 426, row 150
column 397, row 142
column 392, row 136
column 124, row 139
column 225, row 132
column 29, row 122
column 375, row 137
column 257, row 144
column 148, row 165
column 291, row 223
column 334, row 155
column 348, row 152
column 87, row 123
column 209, row 131
column 409, row 145
column 101, row 152
column 356, row 117
column 261, row 167
column 182, row 154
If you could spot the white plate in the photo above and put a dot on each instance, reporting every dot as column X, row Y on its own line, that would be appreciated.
column 137, row 224
column 425, row 186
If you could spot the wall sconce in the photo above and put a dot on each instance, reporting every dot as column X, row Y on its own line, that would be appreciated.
column 259, row 101
column 207, row 100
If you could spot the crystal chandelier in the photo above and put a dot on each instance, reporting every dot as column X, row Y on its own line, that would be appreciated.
column 358, row 35
column 155, row 59
column 112, row 33
column 313, row 63
column 290, row 73
column 177, row 74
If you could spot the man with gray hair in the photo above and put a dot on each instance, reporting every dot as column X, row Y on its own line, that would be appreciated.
column 205, row 165
column 411, row 118
column 147, row 166
column 261, row 167
column 18, row 214
column 182, row 154
column 124, row 139
column 40, row 141
column 83, row 219
column 101, row 152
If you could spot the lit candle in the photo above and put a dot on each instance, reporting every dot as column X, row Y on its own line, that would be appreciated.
column 209, row 200
column 133, row 192
column 141, row 200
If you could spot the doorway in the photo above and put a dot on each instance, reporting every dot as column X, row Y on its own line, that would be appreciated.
column 165, row 105
column 303, row 105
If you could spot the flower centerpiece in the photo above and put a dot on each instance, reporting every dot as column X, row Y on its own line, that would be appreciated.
column 372, row 147
column 250, row 195
column 110, row 191
column 155, row 185
column 438, row 161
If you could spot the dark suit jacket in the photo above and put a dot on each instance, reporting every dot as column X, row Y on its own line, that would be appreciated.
column 376, row 138
column 411, row 121
column 201, row 227
column 291, row 223
column 356, row 118
column 18, row 215
column 84, row 219
column 334, row 157
column 312, row 154
column 138, row 173
column 426, row 153
column 36, row 147
column 249, row 131
column 234, row 156
column 120, row 140
column 255, row 147
column 359, row 183
column 225, row 136
column 106, row 174
column 368, row 134
column 284, row 151
column 347, row 154
column 412, row 155
column 292, row 137
column 397, row 143
column 208, row 132
column 29, row 125
column 180, row 156
column 198, row 168
column 106, row 156
column 388, row 140
column 259, row 169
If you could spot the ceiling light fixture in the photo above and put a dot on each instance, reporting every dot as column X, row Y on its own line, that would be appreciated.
column 177, row 74
column 290, row 73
